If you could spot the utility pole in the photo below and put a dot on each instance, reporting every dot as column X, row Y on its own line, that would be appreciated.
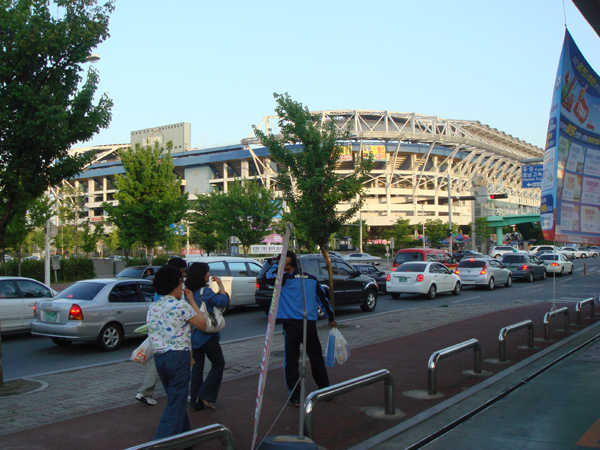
column 449, row 211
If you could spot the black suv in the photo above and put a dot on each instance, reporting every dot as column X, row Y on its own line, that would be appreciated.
column 351, row 287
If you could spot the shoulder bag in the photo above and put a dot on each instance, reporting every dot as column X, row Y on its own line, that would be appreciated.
column 215, row 321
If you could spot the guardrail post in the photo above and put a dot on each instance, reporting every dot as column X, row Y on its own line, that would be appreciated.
column 517, row 326
column 190, row 438
column 580, row 305
column 436, row 356
column 554, row 313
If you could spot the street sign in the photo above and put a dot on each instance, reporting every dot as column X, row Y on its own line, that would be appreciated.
column 531, row 176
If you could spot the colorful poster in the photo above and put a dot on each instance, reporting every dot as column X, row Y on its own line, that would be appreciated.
column 377, row 152
column 571, row 181
column 346, row 154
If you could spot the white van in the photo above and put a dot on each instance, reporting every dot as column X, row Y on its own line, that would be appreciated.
column 238, row 275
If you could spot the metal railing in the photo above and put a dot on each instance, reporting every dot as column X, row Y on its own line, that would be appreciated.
column 517, row 326
column 436, row 356
column 580, row 305
column 564, row 310
column 191, row 438
column 347, row 386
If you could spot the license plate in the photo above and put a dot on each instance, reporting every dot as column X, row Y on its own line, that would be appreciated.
column 401, row 279
column 50, row 316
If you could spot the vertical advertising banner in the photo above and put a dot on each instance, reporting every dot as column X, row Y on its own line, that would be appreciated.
column 377, row 152
column 346, row 154
column 570, row 203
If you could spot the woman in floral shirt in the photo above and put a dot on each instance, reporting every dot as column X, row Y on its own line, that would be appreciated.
column 169, row 331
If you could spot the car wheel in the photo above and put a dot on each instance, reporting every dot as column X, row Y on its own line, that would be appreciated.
column 491, row 285
column 583, row 256
column 62, row 342
column 110, row 338
column 530, row 278
column 456, row 290
column 395, row 295
column 562, row 272
column 508, row 281
column 432, row 291
column 571, row 272
column 370, row 301
column 545, row 275
column 595, row 255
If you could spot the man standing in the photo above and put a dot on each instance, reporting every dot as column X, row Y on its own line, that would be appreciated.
column 291, row 313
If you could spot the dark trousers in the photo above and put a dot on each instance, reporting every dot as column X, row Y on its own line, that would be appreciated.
column 292, row 333
column 207, row 389
column 173, row 368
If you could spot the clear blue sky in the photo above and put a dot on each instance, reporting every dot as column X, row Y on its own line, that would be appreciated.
column 216, row 65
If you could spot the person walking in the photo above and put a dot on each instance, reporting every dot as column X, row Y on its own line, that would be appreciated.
column 146, row 391
column 290, row 313
column 169, row 321
column 204, row 392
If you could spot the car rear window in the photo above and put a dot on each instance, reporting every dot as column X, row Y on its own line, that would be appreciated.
column 81, row 291
column 469, row 263
column 404, row 257
column 513, row 259
column 549, row 257
column 409, row 267
column 130, row 272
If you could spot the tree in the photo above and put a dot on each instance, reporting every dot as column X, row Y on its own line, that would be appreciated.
column 202, row 223
column 44, row 108
column 437, row 231
column 149, row 197
column 311, row 187
column 401, row 231
column 353, row 231
column 90, row 238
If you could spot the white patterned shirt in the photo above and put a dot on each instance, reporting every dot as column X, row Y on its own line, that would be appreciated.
column 168, row 328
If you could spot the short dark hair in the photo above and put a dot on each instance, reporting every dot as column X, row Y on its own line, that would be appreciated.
column 294, row 261
column 196, row 276
column 166, row 279
column 177, row 262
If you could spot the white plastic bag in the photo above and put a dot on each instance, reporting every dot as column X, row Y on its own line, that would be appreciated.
column 342, row 352
column 143, row 354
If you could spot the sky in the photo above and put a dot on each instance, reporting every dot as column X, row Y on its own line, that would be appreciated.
column 216, row 65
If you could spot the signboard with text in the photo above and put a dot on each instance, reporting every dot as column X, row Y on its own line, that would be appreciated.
column 531, row 176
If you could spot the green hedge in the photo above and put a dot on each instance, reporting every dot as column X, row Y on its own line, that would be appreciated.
column 71, row 269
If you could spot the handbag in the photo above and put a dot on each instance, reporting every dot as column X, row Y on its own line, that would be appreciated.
column 143, row 354
column 215, row 321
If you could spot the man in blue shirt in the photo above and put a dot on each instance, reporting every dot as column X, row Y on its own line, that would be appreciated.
column 290, row 313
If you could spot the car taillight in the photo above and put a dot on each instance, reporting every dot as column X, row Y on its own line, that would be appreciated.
column 75, row 313
column 388, row 277
column 394, row 269
column 524, row 268
column 257, row 284
column 420, row 277
column 34, row 310
column 483, row 270
column 457, row 272
column 554, row 264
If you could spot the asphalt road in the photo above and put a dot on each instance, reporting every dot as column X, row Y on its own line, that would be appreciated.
column 25, row 355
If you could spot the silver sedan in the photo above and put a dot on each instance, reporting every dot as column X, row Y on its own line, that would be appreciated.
column 356, row 258
column 104, row 311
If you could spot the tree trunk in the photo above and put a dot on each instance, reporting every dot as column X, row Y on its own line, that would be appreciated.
column 1, row 373
column 330, row 272
column 150, row 251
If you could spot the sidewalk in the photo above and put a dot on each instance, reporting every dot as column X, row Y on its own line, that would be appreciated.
column 94, row 408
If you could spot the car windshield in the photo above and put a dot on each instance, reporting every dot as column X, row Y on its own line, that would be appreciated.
column 471, row 263
column 549, row 257
column 410, row 267
column 131, row 272
column 81, row 291
column 513, row 259
column 408, row 257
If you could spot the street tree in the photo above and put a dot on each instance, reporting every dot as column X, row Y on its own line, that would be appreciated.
column 402, row 232
column 90, row 237
column 149, row 197
column 311, row 187
column 353, row 231
column 203, row 217
column 246, row 211
column 45, row 105
column 437, row 231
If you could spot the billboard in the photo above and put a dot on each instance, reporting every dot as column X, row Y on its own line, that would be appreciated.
column 178, row 133
column 570, row 203
column 377, row 152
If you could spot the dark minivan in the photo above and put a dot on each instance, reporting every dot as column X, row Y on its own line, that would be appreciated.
column 350, row 286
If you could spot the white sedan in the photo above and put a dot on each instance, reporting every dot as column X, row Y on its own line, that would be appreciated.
column 557, row 263
column 573, row 251
column 587, row 252
column 425, row 278
column 356, row 258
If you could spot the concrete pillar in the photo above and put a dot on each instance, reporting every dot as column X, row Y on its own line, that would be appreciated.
column 499, row 235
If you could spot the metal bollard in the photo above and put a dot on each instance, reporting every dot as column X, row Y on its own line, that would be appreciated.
column 580, row 305
column 517, row 326
column 550, row 314
column 433, row 360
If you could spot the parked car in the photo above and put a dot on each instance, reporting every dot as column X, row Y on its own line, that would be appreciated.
column 460, row 254
column 31, row 258
column 425, row 278
column 350, row 286
column 104, row 311
column 369, row 270
column 17, row 300
column 424, row 254
column 7, row 258
column 138, row 272
column 238, row 275
column 362, row 258
column 336, row 254
column 575, row 253
column 116, row 258
column 524, row 266
column 487, row 272
column 557, row 263
column 499, row 250
column 587, row 252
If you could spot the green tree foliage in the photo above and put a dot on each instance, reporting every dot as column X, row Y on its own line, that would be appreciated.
column 353, row 231
column 311, row 187
column 90, row 238
column 203, row 224
column 436, row 231
column 402, row 232
column 45, row 106
column 149, row 197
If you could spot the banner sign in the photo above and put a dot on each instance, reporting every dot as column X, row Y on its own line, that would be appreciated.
column 377, row 152
column 570, row 203
column 264, row 362
column 346, row 154
column 531, row 176
column 265, row 249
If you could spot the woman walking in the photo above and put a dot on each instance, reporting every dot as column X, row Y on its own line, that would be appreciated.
column 169, row 321
column 204, row 392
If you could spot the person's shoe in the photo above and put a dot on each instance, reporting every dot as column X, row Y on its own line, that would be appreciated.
column 209, row 405
column 294, row 403
column 147, row 400
column 198, row 406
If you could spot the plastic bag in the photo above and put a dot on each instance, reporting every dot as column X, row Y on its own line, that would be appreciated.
column 337, row 348
column 143, row 354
